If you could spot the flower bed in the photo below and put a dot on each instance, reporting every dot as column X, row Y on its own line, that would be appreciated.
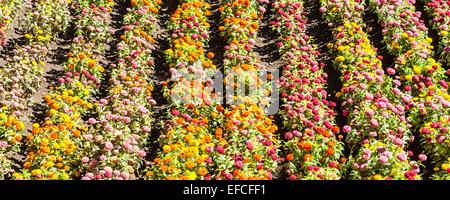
column 56, row 145
column 314, row 151
column 193, row 125
column 114, row 144
column 22, row 75
column 249, row 149
column 422, row 77
column 378, row 131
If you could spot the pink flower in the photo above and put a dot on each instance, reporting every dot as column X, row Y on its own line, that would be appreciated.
column 373, row 123
column 346, row 129
column 145, row 129
column 322, row 9
column 220, row 149
column 440, row 138
column 401, row 156
column 4, row 144
column 370, row 113
column 85, row 159
column 320, row 176
column 108, row 146
column 92, row 121
column 274, row 157
column 124, row 175
column 262, row 9
column 229, row 176
column 383, row 159
column 368, row 96
column 238, row 164
column 126, row 146
column 332, row 164
column 209, row 149
column 288, row 135
column 293, row 177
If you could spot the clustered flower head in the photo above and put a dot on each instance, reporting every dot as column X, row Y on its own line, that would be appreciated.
column 56, row 146
column 422, row 79
column 313, row 149
column 378, row 128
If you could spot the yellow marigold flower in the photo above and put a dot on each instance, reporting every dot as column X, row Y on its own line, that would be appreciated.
column 166, row 148
column 408, row 77
column 395, row 45
column 444, row 166
column 149, row 173
column 378, row 177
column 417, row 70
column 340, row 59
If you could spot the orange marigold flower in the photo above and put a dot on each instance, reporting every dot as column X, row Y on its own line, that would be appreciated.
column 257, row 157
column 289, row 157
column 335, row 129
column 190, row 164
column 202, row 171
column 308, row 157
column 210, row 55
column 330, row 151
column 308, row 146
column 76, row 133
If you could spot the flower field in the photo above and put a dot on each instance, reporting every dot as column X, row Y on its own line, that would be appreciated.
column 224, row 90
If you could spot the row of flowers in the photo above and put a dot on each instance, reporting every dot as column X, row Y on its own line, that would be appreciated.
column 250, row 147
column 22, row 75
column 314, row 149
column 56, row 145
column 422, row 77
column 114, row 144
column 378, row 130
column 193, row 132
column 8, row 10
column 439, row 10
